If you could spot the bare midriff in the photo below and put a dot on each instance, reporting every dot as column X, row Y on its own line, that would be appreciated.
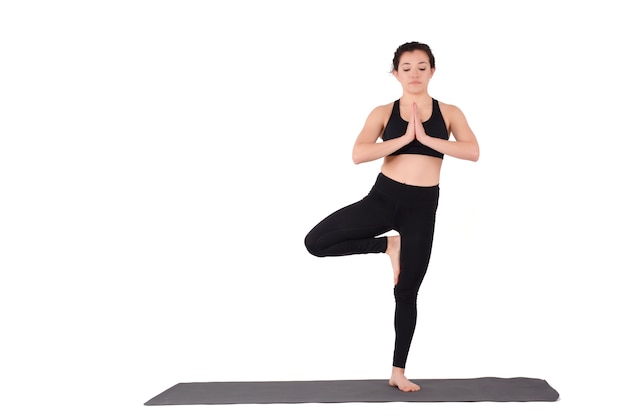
column 420, row 170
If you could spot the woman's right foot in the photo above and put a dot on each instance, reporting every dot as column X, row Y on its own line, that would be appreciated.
column 399, row 380
column 393, row 250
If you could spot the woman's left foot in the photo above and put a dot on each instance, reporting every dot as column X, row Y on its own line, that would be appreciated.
column 393, row 250
column 399, row 380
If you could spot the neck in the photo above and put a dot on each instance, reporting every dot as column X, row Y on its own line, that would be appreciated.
column 420, row 99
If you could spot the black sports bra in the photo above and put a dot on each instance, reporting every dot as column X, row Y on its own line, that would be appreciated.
column 434, row 127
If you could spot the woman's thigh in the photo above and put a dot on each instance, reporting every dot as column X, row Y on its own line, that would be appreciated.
column 348, row 230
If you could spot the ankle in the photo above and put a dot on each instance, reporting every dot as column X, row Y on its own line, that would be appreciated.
column 395, row 371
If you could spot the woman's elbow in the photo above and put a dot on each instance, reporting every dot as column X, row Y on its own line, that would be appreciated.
column 357, row 158
column 474, row 154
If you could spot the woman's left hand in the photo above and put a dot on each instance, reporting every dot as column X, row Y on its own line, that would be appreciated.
column 419, row 128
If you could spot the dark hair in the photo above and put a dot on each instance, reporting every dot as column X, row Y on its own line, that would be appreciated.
column 410, row 47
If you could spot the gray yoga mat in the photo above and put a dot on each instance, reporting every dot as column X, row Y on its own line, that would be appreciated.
column 368, row 390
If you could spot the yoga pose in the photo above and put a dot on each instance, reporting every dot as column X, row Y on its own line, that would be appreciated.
column 414, row 136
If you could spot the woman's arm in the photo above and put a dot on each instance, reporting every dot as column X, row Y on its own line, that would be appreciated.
column 367, row 148
column 465, row 146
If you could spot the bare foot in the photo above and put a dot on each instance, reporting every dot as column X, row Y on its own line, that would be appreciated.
column 399, row 380
column 393, row 250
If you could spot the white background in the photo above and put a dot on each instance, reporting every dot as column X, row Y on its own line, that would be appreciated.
column 162, row 161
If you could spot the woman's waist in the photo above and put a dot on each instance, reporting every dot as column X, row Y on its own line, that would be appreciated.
column 410, row 169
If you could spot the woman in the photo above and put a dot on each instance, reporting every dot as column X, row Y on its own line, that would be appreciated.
column 414, row 132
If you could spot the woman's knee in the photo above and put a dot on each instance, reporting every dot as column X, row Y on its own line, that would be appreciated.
column 406, row 295
column 310, row 242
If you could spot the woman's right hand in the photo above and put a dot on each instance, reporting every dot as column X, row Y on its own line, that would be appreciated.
column 409, row 135
column 367, row 147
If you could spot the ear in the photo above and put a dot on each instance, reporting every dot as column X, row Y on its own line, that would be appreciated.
column 395, row 74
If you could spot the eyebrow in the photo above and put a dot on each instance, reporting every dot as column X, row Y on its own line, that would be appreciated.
column 419, row 63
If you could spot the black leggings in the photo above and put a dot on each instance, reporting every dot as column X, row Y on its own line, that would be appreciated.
column 355, row 229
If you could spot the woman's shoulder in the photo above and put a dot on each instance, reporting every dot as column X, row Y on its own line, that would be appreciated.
column 449, row 110
column 379, row 115
column 383, row 109
column 447, row 106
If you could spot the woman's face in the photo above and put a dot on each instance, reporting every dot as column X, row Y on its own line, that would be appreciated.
column 414, row 71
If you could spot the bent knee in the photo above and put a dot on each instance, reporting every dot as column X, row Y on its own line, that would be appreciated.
column 310, row 242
